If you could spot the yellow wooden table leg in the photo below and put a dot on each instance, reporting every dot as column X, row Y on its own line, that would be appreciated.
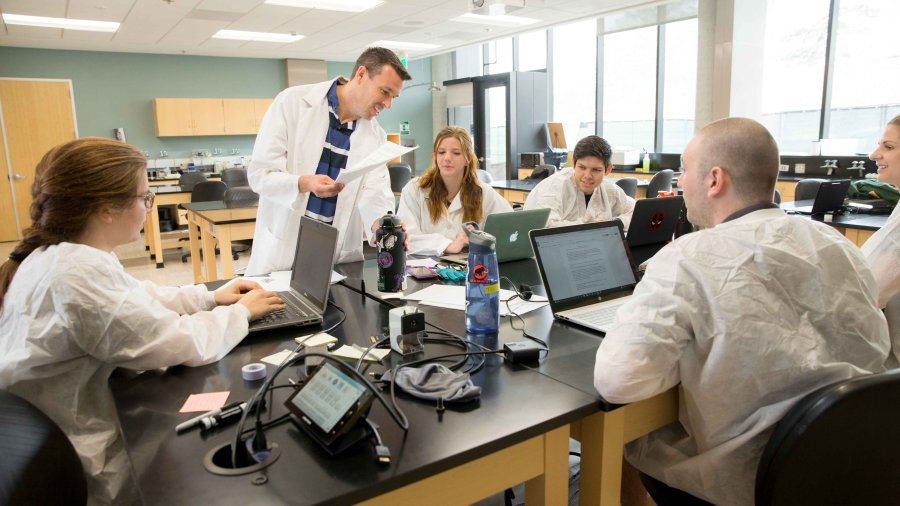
column 208, row 240
column 194, row 235
column 552, row 487
column 602, row 441
column 223, row 234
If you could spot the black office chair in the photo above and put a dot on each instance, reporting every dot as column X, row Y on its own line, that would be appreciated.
column 189, row 179
column 240, row 196
column 235, row 177
column 542, row 172
column 629, row 185
column 484, row 176
column 208, row 191
column 777, row 197
column 39, row 464
column 806, row 189
column 837, row 445
column 661, row 181
column 400, row 174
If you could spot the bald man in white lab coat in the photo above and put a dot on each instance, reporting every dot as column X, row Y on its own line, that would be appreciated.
column 748, row 316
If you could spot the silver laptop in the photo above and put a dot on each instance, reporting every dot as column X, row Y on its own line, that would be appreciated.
column 307, row 298
column 587, row 271
column 511, row 230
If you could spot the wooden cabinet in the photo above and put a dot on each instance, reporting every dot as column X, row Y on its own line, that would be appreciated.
column 787, row 190
column 240, row 118
column 208, row 116
column 173, row 116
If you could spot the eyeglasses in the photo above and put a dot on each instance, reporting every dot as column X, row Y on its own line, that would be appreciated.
column 148, row 197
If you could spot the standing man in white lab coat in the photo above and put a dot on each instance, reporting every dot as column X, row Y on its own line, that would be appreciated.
column 748, row 315
column 309, row 134
column 582, row 194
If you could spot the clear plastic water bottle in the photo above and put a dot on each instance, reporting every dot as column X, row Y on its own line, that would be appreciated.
column 482, row 282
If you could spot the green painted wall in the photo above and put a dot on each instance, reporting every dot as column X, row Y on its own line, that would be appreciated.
column 414, row 105
column 116, row 90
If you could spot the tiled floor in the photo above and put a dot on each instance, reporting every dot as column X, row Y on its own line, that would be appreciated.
column 136, row 261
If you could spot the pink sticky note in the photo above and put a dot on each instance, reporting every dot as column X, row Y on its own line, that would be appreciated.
column 204, row 402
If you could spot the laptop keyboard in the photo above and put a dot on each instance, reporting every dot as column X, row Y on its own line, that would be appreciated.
column 599, row 316
column 292, row 312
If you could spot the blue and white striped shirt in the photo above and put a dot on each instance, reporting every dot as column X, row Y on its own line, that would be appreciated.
column 334, row 158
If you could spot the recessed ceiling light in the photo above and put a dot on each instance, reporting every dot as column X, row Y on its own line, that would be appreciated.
column 66, row 23
column 257, row 36
column 330, row 5
column 396, row 44
column 494, row 20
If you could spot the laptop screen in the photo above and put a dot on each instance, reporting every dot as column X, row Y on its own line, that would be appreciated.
column 587, row 261
column 311, row 273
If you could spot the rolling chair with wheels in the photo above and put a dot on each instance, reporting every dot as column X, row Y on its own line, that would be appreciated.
column 235, row 177
column 542, row 172
column 628, row 185
column 188, row 180
column 836, row 445
column 661, row 181
column 208, row 191
column 400, row 174
column 806, row 189
column 240, row 196
column 39, row 464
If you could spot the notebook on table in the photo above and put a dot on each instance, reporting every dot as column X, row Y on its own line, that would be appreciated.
column 511, row 230
column 587, row 271
column 307, row 298
column 829, row 198
column 652, row 226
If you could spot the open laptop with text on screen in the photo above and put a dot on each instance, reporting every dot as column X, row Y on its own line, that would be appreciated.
column 587, row 271
column 829, row 198
column 307, row 298
column 511, row 231
column 652, row 226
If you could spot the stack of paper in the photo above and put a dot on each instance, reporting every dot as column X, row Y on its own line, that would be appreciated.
column 454, row 297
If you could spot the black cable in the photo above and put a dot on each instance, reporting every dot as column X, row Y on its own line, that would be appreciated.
column 517, row 315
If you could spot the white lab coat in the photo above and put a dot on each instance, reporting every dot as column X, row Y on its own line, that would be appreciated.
column 289, row 145
column 882, row 251
column 427, row 238
column 749, row 316
column 566, row 202
column 71, row 316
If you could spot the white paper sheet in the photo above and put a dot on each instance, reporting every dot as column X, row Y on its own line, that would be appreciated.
column 385, row 153
column 454, row 297
column 280, row 281
column 353, row 353
column 277, row 359
column 319, row 339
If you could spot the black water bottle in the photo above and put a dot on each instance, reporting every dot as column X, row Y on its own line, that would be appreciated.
column 390, row 238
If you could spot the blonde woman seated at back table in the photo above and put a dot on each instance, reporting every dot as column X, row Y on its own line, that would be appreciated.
column 882, row 250
column 581, row 194
column 70, row 314
column 435, row 205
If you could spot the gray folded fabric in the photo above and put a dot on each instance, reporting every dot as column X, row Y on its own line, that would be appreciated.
column 435, row 381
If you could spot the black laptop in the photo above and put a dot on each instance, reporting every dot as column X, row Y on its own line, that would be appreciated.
column 307, row 298
column 653, row 224
column 587, row 271
column 829, row 198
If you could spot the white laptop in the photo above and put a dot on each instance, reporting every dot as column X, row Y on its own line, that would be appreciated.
column 307, row 299
column 587, row 270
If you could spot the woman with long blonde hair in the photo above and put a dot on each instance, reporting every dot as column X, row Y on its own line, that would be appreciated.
column 882, row 250
column 449, row 193
column 70, row 314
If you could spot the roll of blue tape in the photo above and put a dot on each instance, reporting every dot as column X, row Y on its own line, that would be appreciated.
column 254, row 371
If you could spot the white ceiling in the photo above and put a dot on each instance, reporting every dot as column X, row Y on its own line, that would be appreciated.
column 186, row 26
